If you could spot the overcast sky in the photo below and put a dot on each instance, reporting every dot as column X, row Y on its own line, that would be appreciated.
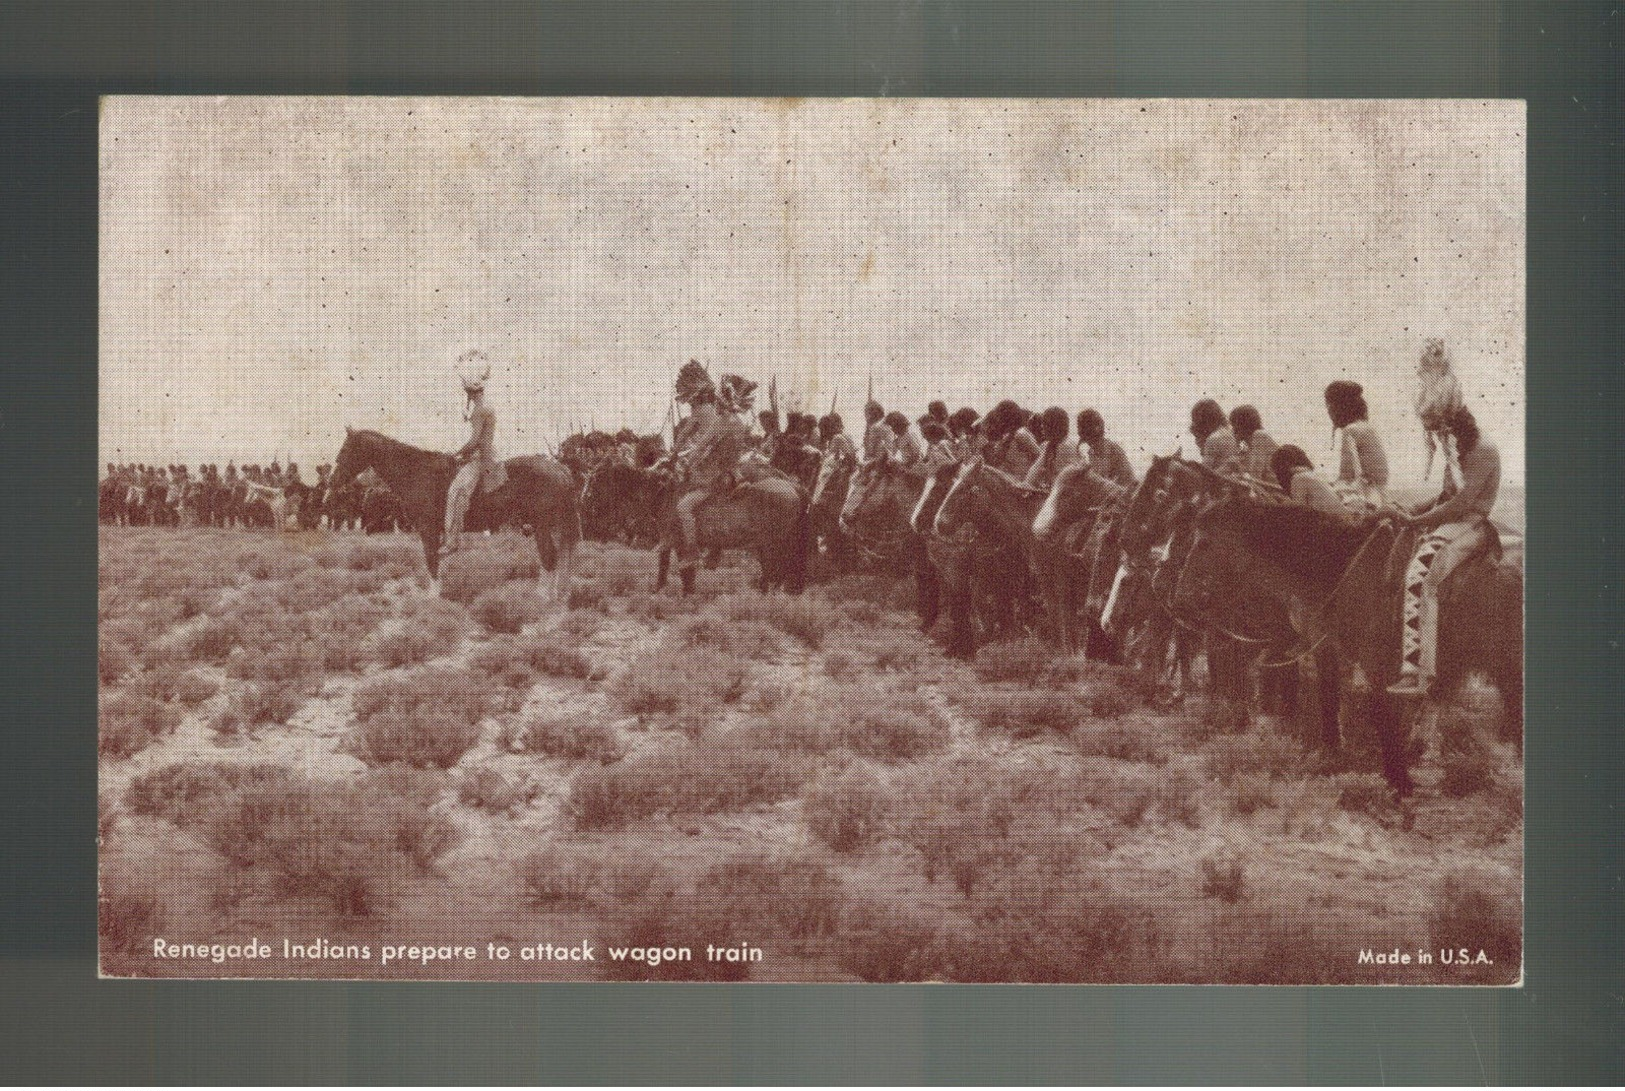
column 274, row 269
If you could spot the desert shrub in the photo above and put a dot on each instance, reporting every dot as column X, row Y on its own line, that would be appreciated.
column 1177, row 799
column 472, row 572
column 106, row 818
column 1115, row 741
column 1466, row 772
column 1023, row 714
column 1366, row 793
column 884, row 943
column 744, row 637
column 128, row 914
column 889, row 726
column 1263, row 753
column 686, row 780
column 846, row 811
column 1027, row 660
column 563, row 878
column 796, row 897
column 1223, row 878
column 1251, row 792
column 1250, row 946
column 194, row 687
column 884, row 726
column 212, row 639
column 1108, row 701
column 803, row 617
column 685, row 685
column 661, row 920
column 1130, row 807
column 161, row 683
column 259, row 703
column 488, row 790
column 958, row 817
column 348, row 846
column 368, row 555
column 430, row 718
column 586, row 595
column 899, row 654
column 1206, row 717
column 580, row 625
column 285, row 663
column 505, row 662
column 573, row 735
column 1039, row 925
column 507, row 609
column 650, row 607
column 1466, row 914
column 839, row 666
column 113, row 660
column 130, row 722
column 182, row 793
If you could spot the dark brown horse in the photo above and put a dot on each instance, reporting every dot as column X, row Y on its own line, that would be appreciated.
column 767, row 516
column 621, row 502
column 1291, row 573
column 881, row 518
column 988, row 514
column 539, row 497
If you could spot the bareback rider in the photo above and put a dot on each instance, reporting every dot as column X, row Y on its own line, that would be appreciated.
column 1220, row 451
column 477, row 458
column 1457, row 521
column 711, row 448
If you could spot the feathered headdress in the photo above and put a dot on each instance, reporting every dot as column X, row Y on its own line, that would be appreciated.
column 736, row 394
column 693, row 381
column 473, row 368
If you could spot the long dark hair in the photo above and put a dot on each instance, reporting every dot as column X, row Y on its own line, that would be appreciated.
column 1287, row 460
column 1345, row 403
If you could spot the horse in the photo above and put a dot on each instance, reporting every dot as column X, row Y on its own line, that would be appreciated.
column 1332, row 585
column 880, row 518
column 767, row 516
column 1254, row 572
column 991, row 514
column 1076, row 536
column 539, row 497
column 621, row 502
column 1157, row 533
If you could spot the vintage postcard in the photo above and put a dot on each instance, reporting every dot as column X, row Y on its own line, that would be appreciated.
column 1059, row 541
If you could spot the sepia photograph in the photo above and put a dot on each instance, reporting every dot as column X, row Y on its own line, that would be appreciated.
column 1056, row 541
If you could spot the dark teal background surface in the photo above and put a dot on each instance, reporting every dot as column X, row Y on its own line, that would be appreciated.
column 59, row 1024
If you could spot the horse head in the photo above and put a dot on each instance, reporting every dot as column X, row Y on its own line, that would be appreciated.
column 931, row 497
column 1077, row 488
column 955, row 511
column 354, row 458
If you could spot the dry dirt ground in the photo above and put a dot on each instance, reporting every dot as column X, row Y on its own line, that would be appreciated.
column 299, row 745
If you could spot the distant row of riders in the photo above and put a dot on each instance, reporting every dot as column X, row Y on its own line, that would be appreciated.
column 1007, row 524
column 253, row 497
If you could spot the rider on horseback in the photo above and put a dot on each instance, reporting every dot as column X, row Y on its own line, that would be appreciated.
column 1458, row 517
column 477, row 457
column 711, row 448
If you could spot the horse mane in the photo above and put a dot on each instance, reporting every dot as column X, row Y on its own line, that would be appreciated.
column 1309, row 544
column 395, row 445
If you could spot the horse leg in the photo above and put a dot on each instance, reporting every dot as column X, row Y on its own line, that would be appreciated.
column 662, row 567
column 431, row 557
column 1329, row 685
column 1389, row 714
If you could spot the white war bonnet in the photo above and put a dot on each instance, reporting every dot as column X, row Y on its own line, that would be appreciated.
column 473, row 368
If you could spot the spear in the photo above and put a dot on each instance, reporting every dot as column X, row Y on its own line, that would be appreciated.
column 833, row 398
column 871, row 386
